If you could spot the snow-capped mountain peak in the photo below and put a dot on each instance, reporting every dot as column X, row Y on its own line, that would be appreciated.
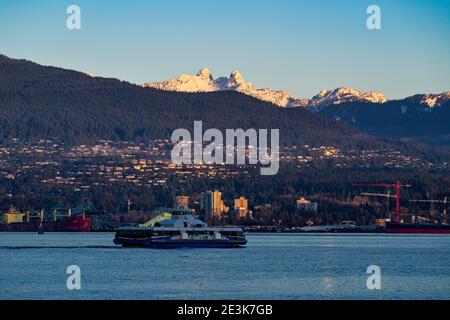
column 236, row 78
column 435, row 100
column 345, row 95
column 203, row 81
column 431, row 100
column 205, row 74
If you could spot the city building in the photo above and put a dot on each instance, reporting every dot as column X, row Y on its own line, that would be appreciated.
column 212, row 205
column 181, row 202
column 306, row 205
column 241, row 208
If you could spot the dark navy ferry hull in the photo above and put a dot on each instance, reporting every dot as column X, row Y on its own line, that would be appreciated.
column 173, row 244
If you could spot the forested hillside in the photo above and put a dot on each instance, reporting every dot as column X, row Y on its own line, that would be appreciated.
column 46, row 102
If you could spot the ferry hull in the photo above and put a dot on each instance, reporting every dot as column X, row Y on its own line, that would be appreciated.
column 69, row 224
column 174, row 244
column 410, row 228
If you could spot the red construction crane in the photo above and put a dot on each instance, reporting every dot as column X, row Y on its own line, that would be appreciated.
column 397, row 187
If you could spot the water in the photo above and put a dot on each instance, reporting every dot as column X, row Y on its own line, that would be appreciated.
column 271, row 267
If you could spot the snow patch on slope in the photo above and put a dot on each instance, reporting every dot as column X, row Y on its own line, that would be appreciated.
column 345, row 95
column 435, row 100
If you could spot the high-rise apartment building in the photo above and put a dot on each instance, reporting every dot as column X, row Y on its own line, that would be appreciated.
column 212, row 204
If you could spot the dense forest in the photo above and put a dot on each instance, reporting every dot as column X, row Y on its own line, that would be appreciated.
column 400, row 119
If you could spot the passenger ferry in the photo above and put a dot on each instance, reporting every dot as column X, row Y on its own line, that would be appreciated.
column 179, row 230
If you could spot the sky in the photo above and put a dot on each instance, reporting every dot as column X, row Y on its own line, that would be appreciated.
column 299, row 46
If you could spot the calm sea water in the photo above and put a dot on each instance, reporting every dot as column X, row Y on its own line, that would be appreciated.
column 271, row 267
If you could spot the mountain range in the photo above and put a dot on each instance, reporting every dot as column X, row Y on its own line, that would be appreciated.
column 424, row 117
column 44, row 102
column 203, row 81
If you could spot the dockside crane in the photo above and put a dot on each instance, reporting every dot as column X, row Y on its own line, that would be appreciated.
column 398, row 186
column 431, row 201
column 385, row 195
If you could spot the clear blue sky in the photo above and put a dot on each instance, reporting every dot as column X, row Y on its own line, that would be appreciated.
column 300, row 46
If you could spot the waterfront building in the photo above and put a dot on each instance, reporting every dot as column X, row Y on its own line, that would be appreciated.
column 306, row 205
column 212, row 205
column 241, row 208
column 181, row 202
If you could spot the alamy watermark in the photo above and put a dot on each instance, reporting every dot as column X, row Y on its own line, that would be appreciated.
column 74, row 280
column 374, row 20
column 374, row 280
column 73, row 21
column 234, row 150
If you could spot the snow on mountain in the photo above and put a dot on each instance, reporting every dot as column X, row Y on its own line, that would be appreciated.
column 429, row 101
column 345, row 95
column 435, row 100
column 203, row 81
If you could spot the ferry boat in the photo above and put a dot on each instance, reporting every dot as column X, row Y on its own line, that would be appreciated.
column 179, row 231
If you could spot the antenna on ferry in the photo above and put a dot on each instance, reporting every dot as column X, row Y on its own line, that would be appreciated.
column 129, row 203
